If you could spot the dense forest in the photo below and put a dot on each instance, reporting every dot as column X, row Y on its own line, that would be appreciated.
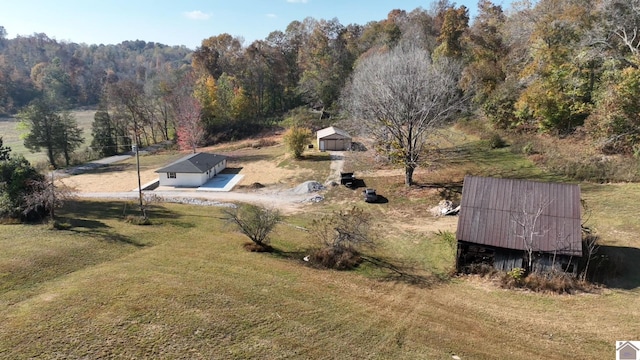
column 554, row 66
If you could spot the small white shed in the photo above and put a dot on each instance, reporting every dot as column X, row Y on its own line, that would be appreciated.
column 332, row 138
column 192, row 170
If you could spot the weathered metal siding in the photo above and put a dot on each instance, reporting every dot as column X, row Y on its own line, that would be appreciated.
column 507, row 260
column 490, row 208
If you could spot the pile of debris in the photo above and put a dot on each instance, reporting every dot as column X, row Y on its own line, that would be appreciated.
column 445, row 207
column 308, row 187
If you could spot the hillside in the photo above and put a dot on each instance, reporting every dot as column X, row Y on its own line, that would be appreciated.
column 185, row 287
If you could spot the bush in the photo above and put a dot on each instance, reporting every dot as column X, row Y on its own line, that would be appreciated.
column 495, row 141
column 256, row 222
column 553, row 282
column 339, row 259
column 341, row 236
column 253, row 247
column 528, row 149
column 296, row 139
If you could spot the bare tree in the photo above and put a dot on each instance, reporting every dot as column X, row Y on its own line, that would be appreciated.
column 345, row 231
column 526, row 224
column 256, row 222
column 621, row 19
column 46, row 196
column 400, row 97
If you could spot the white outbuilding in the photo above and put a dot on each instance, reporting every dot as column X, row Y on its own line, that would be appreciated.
column 332, row 138
column 192, row 170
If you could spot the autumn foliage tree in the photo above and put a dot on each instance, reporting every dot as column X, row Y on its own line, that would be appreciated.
column 189, row 128
column 296, row 138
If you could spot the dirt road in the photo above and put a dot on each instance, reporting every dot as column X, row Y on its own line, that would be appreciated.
column 286, row 200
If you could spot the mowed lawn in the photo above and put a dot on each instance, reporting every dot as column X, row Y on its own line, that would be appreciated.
column 185, row 288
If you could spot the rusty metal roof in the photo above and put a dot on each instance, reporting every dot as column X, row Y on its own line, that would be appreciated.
column 497, row 212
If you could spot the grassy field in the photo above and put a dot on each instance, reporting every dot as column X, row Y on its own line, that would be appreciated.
column 184, row 287
column 11, row 134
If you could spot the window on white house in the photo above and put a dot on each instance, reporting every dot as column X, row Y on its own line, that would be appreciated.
column 171, row 175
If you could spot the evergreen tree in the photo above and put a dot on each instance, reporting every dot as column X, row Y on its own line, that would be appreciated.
column 104, row 140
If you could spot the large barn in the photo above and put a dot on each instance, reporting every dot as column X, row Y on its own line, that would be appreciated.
column 332, row 138
column 192, row 170
column 502, row 221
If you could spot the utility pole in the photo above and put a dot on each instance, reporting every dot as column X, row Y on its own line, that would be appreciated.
column 137, row 146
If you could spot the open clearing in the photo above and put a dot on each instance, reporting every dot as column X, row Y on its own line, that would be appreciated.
column 184, row 287
column 11, row 134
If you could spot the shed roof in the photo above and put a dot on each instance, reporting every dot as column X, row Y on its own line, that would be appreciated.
column 332, row 130
column 492, row 208
column 197, row 163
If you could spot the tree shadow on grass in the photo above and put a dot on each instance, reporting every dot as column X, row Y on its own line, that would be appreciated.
column 448, row 190
column 85, row 216
column 396, row 271
column 386, row 270
column 114, row 209
column 111, row 168
column 97, row 229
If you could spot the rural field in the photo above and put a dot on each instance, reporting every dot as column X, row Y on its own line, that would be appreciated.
column 11, row 134
column 184, row 286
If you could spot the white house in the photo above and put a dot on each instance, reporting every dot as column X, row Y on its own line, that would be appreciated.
column 192, row 170
column 332, row 138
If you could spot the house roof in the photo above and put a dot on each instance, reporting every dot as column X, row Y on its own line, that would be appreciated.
column 493, row 210
column 332, row 130
column 197, row 163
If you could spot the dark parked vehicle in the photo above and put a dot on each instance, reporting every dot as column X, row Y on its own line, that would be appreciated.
column 370, row 195
column 347, row 179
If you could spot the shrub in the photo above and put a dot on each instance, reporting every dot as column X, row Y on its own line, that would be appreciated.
column 296, row 139
column 528, row 149
column 342, row 235
column 517, row 274
column 495, row 141
column 256, row 222
column 554, row 282
column 339, row 259
column 253, row 247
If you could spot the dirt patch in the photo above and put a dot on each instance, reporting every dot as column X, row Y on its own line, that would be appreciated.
column 116, row 181
column 255, row 164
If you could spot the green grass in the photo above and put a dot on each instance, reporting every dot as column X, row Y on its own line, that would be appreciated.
column 184, row 287
column 11, row 134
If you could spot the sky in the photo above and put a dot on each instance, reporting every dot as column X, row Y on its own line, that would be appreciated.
column 187, row 22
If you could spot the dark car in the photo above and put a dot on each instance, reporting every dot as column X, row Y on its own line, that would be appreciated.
column 370, row 195
column 347, row 179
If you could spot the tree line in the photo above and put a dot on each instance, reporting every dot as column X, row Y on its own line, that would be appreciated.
column 554, row 66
